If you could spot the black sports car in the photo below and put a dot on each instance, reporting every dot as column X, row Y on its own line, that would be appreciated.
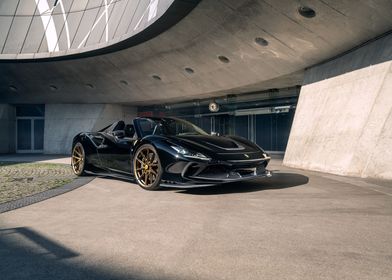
column 167, row 151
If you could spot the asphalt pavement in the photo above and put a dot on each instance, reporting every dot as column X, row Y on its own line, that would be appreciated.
column 295, row 225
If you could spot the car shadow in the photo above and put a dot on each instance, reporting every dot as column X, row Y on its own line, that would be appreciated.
column 281, row 180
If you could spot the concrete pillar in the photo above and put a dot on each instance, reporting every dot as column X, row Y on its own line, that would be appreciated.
column 343, row 120
column 64, row 121
column 7, row 128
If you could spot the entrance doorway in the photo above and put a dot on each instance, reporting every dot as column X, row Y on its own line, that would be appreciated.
column 29, row 134
column 30, row 128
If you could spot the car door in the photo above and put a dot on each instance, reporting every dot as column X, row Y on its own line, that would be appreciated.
column 93, row 157
column 115, row 153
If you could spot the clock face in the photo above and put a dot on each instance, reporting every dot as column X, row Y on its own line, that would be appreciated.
column 214, row 107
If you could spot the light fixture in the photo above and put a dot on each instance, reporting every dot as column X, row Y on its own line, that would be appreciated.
column 223, row 59
column 156, row 77
column 13, row 88
column 261, row 41
column 53, row 87
column 213, row 107
column 306, row 11
column 189, row 70
column 281, row 109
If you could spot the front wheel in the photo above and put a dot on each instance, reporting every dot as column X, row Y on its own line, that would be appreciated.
column 78, row 160
column 147, row 167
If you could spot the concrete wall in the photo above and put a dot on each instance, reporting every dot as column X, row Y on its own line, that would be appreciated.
column 343, row 121
column 64, row 121
column 7, row 128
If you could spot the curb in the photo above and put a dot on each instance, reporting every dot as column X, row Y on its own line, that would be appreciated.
column 28, row 200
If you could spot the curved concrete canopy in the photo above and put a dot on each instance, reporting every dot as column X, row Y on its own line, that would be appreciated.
column 155, row 71
column 32, row 29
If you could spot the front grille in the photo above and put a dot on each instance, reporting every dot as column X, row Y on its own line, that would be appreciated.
column 221, row 172
column 192, row 170
column 212, row 170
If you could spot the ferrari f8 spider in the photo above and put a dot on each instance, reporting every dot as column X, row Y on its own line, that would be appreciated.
column 167, row 151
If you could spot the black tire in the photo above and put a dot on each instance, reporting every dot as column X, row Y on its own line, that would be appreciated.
column 147, row 167
column 78, row 159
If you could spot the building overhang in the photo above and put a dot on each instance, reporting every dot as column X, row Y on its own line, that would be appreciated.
column 221, row 47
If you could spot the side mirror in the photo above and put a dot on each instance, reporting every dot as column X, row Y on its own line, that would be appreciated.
column 213, row 133
column 119, row 133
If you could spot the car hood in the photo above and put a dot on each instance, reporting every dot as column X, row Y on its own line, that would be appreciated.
column 216, row 144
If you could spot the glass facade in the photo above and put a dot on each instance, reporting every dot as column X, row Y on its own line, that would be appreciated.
column 260, row 117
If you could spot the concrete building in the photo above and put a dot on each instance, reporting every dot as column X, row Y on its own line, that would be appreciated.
column 307, row 78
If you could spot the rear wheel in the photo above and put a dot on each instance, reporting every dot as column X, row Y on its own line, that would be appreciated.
column 78, row 160
column 147, row 167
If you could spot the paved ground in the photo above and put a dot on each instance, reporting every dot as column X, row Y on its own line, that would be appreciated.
column 35, row 158
column 296, row 225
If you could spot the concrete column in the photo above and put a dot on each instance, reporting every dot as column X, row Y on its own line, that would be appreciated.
column 343, row 121
column 64, row 121
column 7, row 128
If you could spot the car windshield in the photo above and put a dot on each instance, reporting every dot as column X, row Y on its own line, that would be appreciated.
column 168, row 127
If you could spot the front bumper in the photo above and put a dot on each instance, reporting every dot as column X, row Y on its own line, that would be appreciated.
column 194, row 174
column 207, row 183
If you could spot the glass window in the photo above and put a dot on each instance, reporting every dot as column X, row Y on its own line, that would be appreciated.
column 168, row 126
column 38, row 134
column 146, row 126
column 24, row 134
column 30, row 110
column 241, row 126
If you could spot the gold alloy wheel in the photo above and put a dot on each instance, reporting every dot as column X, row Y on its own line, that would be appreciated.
column 147, row 167
column 78, row 159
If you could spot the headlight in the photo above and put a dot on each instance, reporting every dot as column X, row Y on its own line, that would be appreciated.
column 189, row 154
column 180, row 150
